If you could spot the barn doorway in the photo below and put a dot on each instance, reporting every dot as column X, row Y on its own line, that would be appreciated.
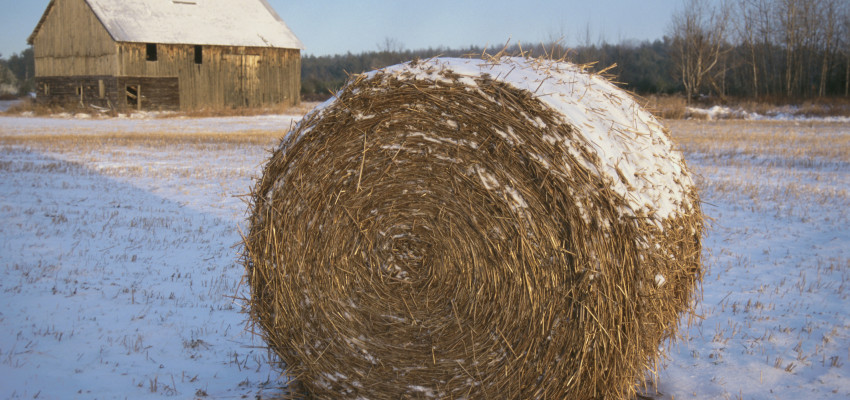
column 134, row 96
column 243, row 88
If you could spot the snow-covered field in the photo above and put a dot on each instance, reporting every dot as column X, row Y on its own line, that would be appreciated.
column 118, row 259
column 785, row 113
column 775, row 317
column 7, row 104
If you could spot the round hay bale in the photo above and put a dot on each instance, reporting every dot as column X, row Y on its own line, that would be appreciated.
column 456, row 228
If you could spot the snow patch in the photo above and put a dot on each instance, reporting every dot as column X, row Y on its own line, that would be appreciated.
column 634, row 152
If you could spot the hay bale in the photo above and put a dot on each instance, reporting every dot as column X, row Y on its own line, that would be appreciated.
column 453, row 228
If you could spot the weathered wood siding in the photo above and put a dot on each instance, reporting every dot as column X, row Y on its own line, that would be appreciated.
column 109, row 92
column 72, row 41
column 73, row 90
column 154, row 93
column 227, row 77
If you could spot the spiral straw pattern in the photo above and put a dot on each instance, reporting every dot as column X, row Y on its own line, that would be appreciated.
column 440, row 229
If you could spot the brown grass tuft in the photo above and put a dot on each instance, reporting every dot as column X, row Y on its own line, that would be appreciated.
column 667, row 106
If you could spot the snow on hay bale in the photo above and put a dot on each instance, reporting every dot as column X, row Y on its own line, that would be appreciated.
column 502, row 228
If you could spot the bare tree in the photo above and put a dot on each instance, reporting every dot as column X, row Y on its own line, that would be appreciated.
column 846, row 47
column 769, row 60
column 829, row 28
column 390, row 45
column 843, row 42
column 746, row 28
column 754, row 27
column 800, row 30
column 699, row 33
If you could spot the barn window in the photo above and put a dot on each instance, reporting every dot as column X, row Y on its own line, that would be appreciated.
column 80, row 91
column 199, row 54
column 101, row 89
column 150, row 52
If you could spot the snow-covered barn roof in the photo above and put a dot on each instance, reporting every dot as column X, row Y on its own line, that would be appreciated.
column 206, row 22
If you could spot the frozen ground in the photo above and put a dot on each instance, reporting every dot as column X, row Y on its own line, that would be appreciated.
column 118, row 265
column 117, row 258
column 785, row 113
column 64, row 124
column 7, row 104
column 775, row 317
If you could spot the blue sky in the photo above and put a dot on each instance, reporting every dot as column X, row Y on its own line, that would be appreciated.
column 335, row 27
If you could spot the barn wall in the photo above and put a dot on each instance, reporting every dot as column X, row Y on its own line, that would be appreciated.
column 77, row 90
column 117, row 93
column 153, row 93
column 72, row 41
column 227, row 77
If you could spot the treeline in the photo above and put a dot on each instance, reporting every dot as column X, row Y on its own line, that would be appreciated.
column 788, row 49
column 781, row 50
column 323, row 75
column 17, row 73
column 643, row 67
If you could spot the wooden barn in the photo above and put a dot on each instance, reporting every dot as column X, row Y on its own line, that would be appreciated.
column 165, row 54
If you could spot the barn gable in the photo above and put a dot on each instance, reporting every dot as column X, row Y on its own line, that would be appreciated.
column 82, row 48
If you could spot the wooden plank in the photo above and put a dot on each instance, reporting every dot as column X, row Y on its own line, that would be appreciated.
column 232, row 80
column 77, row 90
column 150, row 93
column 251, row 95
